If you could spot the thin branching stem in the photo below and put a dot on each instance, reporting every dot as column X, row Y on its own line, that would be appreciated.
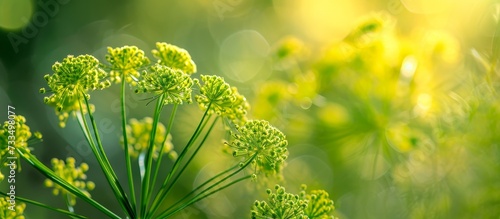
column 39, row 204
column 47, row 172
column 104, row 162
column 161, row 194
column 202, row 185
column 128, row 164
column 149, row 157
column 171, row 185
column 199, row 198
column 162, row 148
column 213, row 185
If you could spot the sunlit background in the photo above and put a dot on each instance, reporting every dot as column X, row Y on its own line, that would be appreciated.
column 391, row 106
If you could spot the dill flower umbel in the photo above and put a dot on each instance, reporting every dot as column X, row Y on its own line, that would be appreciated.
column 125, row 63
column 139, row 132
column 319, row 204
column 223, row 99
column 259, row 139
column 22, row 134
column 280, row 205
column 73, row 78
column 7, row 213
column 17, row 131
column 71, row 174
column 174, row 57
column 162, row 80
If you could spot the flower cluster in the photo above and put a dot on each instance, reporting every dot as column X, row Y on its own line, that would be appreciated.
column 222, row 99
column 21, row 132
column 264, row 143
column 71, row 82
column 72, row 175
column 280, row 205
column 319, row 204
column 15, row 130
column 139, row 132
column 125, row 62
column 7, row 213
column 174, row 57
column 162, row 80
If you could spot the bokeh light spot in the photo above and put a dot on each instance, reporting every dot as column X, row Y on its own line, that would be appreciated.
column 15, row 14
column 321, row 20
column 243, row 54
column 424, row 101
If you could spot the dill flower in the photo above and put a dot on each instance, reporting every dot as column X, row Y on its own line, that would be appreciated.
column 139, row 132
column 73, row 78
column 6, row 211
column 280, row 205
column 223, row 99
column 125, row 62
column 71, row 174
column 16, row 130
column 319, row 204
column 260, row 139
column 175, row 85
column 174, row 57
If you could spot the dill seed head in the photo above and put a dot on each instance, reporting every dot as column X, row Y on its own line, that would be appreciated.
column 259, row 139
column 162, row 80
column 223, row 99
column 125, row 63
column 174, row 57
column 73, row 78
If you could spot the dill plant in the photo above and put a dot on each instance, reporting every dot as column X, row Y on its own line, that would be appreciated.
column 259, row 148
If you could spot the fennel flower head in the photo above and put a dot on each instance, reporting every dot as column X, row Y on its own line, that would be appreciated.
column 17, row 134
column 280, row 205
column 260, row 141
column 222, row 99
column 73, row 78
column 73, row 175
column 125, row 63
column 174, row 57
column 319, row 204
column 172, row 83
column 16, row 130
column 139, row 132
column 7, row 213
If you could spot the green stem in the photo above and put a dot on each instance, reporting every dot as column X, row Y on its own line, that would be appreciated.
column 162, row 148
column 154, row 208
column 103, row 161
column 192, row 156
column 46, row 206
column 165, row 214
column 160, row 196
column 128, row 164
column 149, row 157
column 242, row 166
column 202, row 185
column 33, row 161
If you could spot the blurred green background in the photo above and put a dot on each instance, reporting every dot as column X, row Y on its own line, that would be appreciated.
column 390, row 106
